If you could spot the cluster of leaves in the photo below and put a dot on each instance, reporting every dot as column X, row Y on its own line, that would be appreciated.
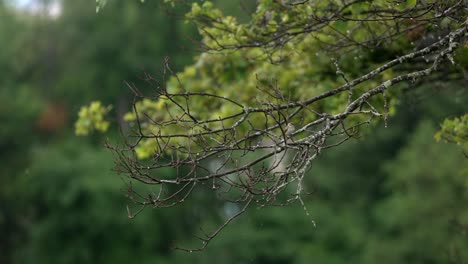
column 287, row 52
column 264, row 73
column 455, row 131
column 92, row 118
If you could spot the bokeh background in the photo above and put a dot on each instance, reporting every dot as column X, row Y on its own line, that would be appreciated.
column 395, row 196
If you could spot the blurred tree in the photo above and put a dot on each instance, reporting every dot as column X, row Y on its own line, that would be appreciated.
column 426, row 196
column 122, row 42
column 20, row 104
column 51, row 65
column 75, row 216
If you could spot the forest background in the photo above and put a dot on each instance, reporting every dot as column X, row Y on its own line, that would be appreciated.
column 394, row 196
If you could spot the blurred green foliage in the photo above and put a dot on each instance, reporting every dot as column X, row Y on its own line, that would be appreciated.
column 389, row 198
column 455, row 131
column 91, row 118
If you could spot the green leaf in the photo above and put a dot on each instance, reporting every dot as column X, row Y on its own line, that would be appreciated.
column 341, row 26
column 411, row 3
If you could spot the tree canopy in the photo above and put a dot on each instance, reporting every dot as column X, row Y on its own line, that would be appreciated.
column 328, row 68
